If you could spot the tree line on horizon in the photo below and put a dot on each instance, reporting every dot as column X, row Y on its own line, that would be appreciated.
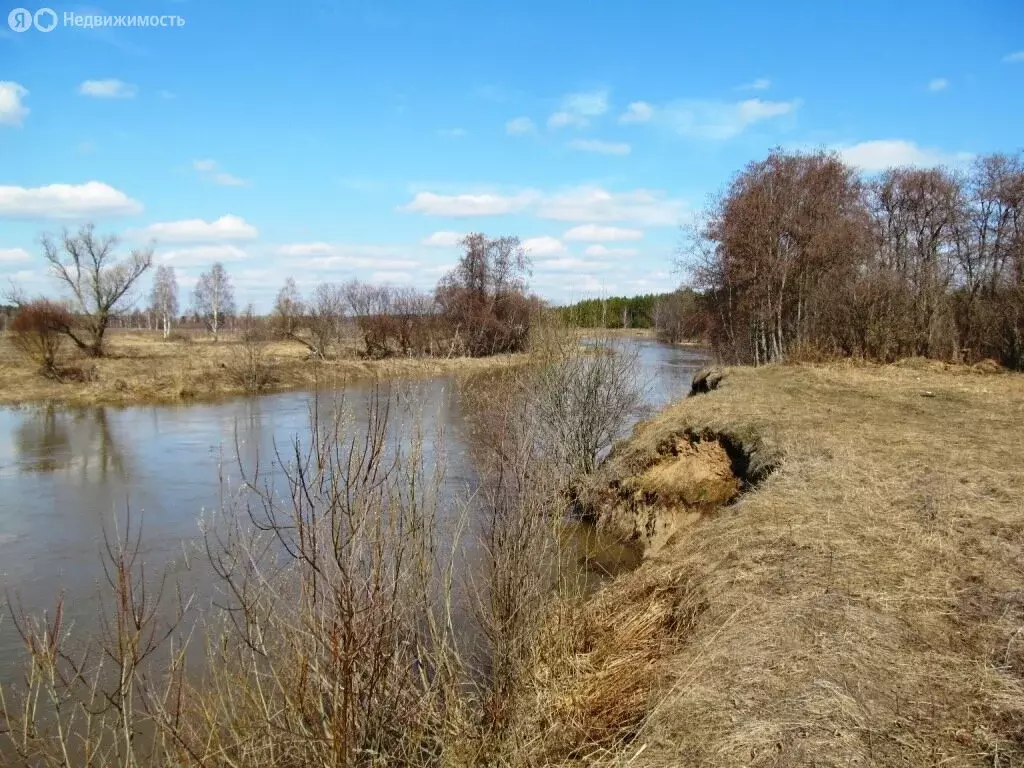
column 801, row 257
column 480, row 307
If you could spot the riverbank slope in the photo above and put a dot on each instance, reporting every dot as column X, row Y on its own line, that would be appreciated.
column 862, row 603
column 140, row 367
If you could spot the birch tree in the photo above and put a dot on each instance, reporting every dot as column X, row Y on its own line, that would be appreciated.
column 214, row 298
column 163, row 300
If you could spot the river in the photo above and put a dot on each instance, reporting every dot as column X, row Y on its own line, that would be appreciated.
column 65, row 472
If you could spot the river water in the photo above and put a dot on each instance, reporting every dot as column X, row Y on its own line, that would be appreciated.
column 67, row 472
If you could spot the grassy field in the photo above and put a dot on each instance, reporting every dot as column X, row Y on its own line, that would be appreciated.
column 862, row 603
column 140, row 367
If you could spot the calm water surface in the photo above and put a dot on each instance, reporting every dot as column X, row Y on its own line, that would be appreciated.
column 65, row 472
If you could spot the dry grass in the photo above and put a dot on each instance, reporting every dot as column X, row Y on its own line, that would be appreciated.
column 863, row 606
column 143, row 368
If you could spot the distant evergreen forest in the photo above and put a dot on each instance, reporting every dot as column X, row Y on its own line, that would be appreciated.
column 613, row 312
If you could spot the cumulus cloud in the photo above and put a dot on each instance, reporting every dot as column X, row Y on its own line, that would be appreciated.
column 887, row 153
column 443, row 239
column 601, row 147
column 519, row 125
column 543, row 246
column 595, row 204
column 433, row 204
column 637, row 112
column 107, row 89
column 578, row 108
column 197, row 230
column 65, row 201
column 603, row 250
column 12, row 255
column 12, row 110
column 721, row 120
column 938, row 84
column 201, row 255
column 597, row 233
column 211, row 171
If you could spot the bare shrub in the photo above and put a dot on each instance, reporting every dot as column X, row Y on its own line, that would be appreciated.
column 247, row 363
column 584, row 399
column 37, row 332
column 333, row 643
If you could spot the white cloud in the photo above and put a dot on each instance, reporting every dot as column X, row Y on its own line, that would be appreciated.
column 760, row 84
column 202, row 255
column 601, row 147
column 938, row 84
column 637, row 112
column 443, row 239
column 595, row 204
column 12, row 111
column 721, row 120
column 582, row 204
column 167, row 95
column 197, row 230
column 65, row 201
column 453, row 133
column 107, row 89
column 543, row 246
column 603, row 250
column 588, row 103
column 577, row 109
column 1014, row 58
column 467, row 205
column 519, row 125
column 211, row 170
column 597, row 233
column 322, row 255
column 11, row 255
column 888, row 153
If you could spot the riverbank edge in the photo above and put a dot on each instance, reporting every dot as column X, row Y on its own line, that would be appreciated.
column 214, row 385
column 757, row 621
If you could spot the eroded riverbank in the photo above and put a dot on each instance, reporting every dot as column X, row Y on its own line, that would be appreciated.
column 860, row 606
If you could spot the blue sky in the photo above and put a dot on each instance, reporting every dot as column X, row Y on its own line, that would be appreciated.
column 330, row 140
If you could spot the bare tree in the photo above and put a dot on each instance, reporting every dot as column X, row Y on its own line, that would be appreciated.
column 214, row 298
column 326, row 314
column 289, row 315
column 163, row 300
column 99, row 282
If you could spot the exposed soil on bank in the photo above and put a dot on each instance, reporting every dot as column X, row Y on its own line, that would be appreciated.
column 833, row 574
column 142, row 368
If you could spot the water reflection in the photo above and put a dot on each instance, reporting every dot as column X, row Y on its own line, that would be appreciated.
column 79, row 440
